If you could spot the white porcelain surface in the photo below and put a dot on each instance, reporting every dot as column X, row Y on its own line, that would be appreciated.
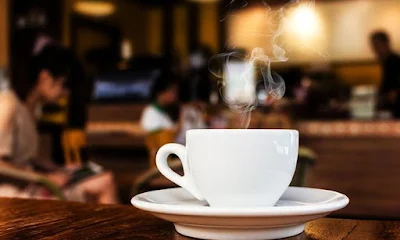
column 195, row 218
column 234, row 168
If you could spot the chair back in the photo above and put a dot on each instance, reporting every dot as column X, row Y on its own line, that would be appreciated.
column 73, row 142
column 156, row 140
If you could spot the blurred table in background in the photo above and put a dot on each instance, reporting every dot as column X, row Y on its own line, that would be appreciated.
column 117, row 134
column 115, row 125
column 360, row 159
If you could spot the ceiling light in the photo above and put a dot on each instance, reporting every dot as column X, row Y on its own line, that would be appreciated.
column 305, row 21
column 95, row 8
column 204, row 1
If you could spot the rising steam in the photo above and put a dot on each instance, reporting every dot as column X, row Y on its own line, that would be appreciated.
column 243, row 97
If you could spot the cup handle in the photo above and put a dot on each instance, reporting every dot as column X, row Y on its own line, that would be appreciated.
column 186, row 181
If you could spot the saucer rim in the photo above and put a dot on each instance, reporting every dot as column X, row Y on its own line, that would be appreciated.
column 311, row 209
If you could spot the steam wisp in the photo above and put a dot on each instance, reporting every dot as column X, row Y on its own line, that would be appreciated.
column 256, row 63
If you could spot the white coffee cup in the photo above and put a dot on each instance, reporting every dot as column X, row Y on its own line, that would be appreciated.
column 234, row 167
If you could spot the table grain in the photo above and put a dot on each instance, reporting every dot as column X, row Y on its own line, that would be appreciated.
column 39, row 219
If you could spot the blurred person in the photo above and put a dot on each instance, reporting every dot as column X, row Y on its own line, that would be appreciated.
column 191, row 117
column 301, row 91
column 195, row 93
column 156, row 117
column 164, row 94
column 198, row 85
column 389, row 98
column 19, row 140
column 66, row 118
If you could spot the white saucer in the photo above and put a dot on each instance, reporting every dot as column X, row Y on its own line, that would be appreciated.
column 196, row 219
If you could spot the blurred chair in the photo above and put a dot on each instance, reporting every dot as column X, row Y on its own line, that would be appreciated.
column 74, row 143
column 306, row 159
column 152, row 178
column 156, row 140
column 41, row 180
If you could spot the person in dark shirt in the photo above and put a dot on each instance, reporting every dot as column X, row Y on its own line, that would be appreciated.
column 389, row 92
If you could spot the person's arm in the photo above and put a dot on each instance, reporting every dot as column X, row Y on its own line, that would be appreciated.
column 9, row 170
column 7, row 105
column 7, row 112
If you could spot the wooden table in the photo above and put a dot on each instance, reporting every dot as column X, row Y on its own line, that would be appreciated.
column 33, row 219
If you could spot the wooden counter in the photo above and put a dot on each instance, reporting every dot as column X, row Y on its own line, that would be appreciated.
column 359, row 159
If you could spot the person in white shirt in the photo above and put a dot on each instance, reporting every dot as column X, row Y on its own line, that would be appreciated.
column 164, row 94
column 155, row 117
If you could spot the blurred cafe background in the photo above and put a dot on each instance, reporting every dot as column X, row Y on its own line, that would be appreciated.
column 132, row 75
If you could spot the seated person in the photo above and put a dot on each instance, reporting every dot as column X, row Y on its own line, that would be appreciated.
column 191, row 117
column 164, row 94
column 155, row 117
column 48, row 76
